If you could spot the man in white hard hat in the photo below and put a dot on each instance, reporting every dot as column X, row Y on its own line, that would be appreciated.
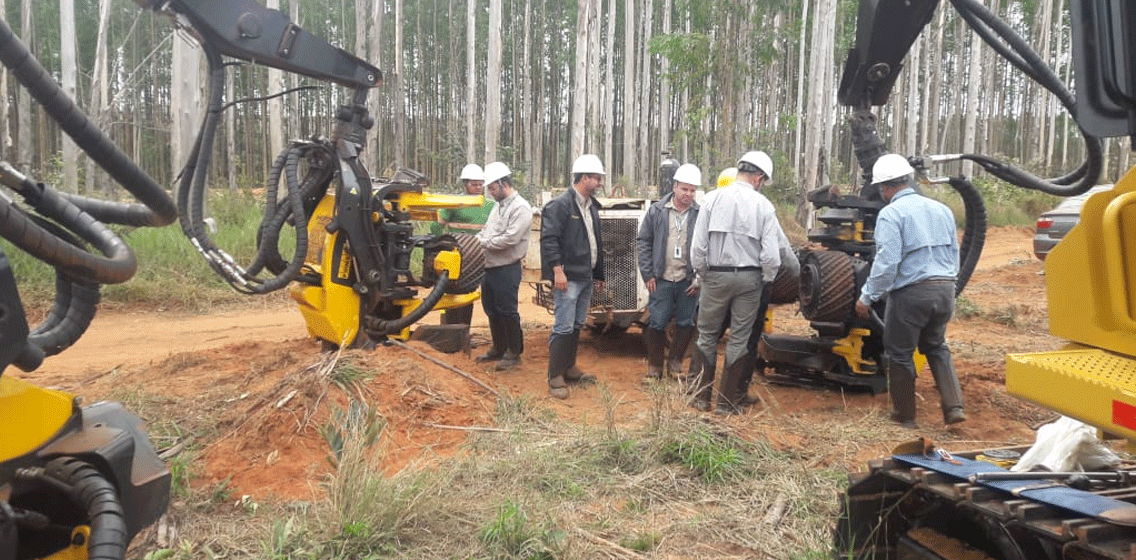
column 505, row 239
column 466, row 221
column 571, row 258
column 663, row 248
column 915, row 266
column 734, row 251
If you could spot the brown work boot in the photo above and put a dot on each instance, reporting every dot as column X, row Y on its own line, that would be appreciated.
column 954, row 416
column 507, row 362
column 557, row 388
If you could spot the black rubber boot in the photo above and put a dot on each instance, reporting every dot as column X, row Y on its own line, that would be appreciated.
column 703, row 386
column 559, row 348
column 901, row 388
column 950, row 393
column 514, row 344
column 655, row 341
column 682, row 338
column 573, row 374
column 498, row 348
column 732, row 394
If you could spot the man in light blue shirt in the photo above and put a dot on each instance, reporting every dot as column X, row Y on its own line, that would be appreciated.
column 915, row 266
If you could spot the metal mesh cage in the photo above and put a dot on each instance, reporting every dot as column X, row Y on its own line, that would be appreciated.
column 620, row 268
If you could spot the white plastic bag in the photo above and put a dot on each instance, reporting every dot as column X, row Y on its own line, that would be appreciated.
column 1067, row 445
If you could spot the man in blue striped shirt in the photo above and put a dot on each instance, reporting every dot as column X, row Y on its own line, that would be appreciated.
column 915, row 266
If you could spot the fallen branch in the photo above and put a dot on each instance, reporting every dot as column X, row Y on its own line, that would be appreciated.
column 612, row 547
column 481, row 384
column 484, row 429
column 773, row 516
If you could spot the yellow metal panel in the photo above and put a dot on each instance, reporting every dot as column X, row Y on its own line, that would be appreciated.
column 1091, row 299
column 330, row 310
column 1089, row 384
column 449, row 261
column 420, row 202
column 81, row 534
column 31, row 416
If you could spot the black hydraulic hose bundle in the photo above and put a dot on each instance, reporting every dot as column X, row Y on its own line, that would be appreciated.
column 974, row 230
column 1015, row 50
column 94, row 495
column 191, row 199
column 78, row 271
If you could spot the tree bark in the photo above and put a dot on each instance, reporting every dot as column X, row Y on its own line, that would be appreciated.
column 24, row 100
column 493, row 82
column 630, row 107
column 69, row 81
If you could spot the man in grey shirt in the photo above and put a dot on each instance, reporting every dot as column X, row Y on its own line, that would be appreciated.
column 505, row 239
column 734, row 251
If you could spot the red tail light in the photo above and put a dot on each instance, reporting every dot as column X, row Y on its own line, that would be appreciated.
column 1044, row 223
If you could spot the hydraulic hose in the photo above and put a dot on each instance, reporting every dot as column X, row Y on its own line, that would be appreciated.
column 974, row 230
column 96, row 497
column 117, row 266
column 1015, row 50
column 383, row 327
column 159, row 209
column 75, row 305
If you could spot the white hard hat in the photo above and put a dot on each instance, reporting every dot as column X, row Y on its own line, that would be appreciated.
column 495, row 171
column 759, row 160
column 890, row 167
column 727, row 176
column 472, row 172
column 688, row 173
column 588, row 163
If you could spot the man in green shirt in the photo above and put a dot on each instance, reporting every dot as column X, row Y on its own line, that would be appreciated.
column 464, row 220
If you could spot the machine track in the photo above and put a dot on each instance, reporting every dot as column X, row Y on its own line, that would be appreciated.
column 894, row 511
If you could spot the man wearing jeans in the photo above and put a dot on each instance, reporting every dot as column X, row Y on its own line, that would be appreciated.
column 734, row 251
column 916, row 262
column 505, row 239
column 663, row 248
column 571, row 258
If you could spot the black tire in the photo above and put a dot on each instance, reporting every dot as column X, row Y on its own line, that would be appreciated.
column 786, row 287
column 472, row 265
column 828, row 285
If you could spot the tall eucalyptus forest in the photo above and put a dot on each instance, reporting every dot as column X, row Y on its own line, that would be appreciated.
column 534, row 83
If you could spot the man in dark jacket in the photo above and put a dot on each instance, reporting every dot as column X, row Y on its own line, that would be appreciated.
column 663, row 246
column 571, row 258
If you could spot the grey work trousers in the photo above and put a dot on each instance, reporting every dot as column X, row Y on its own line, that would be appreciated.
column 737, row 293
column 917, row 317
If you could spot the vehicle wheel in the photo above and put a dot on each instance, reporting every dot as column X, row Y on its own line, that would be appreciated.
column 827, row 286
column 472, row 263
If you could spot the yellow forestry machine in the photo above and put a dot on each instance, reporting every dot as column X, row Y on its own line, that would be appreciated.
column 79, row 482
column 927, row 504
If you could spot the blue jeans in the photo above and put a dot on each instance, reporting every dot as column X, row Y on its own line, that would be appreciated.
column 570, row 307
column 670, row 299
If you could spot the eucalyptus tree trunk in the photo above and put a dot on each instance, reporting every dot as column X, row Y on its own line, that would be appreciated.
column 98, row 100
column 1041, row 113
column 275, row 104
column 470, row 76
column 592, row 140
column 69, row 81
column 399, row 92
column 493, row 82
column 185, row 98
column 644, row 113
column 912, row 105
column 820, row 59
column 665, row 85
column 972, row 104
column 630, row 107
column 231, row 134
column 528, row 121
column 580, row 78
column 375, row 100
column 362, row 13
column 24, row 100
column 609, row 85
column 798, row 159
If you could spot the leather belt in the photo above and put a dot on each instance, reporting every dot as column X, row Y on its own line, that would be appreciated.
column 733, row 268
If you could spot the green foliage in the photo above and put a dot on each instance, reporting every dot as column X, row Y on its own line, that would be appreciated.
column 514, row 535
column 711, row 457
column 965, row 308
column 1006, row 204
column 360, row 424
